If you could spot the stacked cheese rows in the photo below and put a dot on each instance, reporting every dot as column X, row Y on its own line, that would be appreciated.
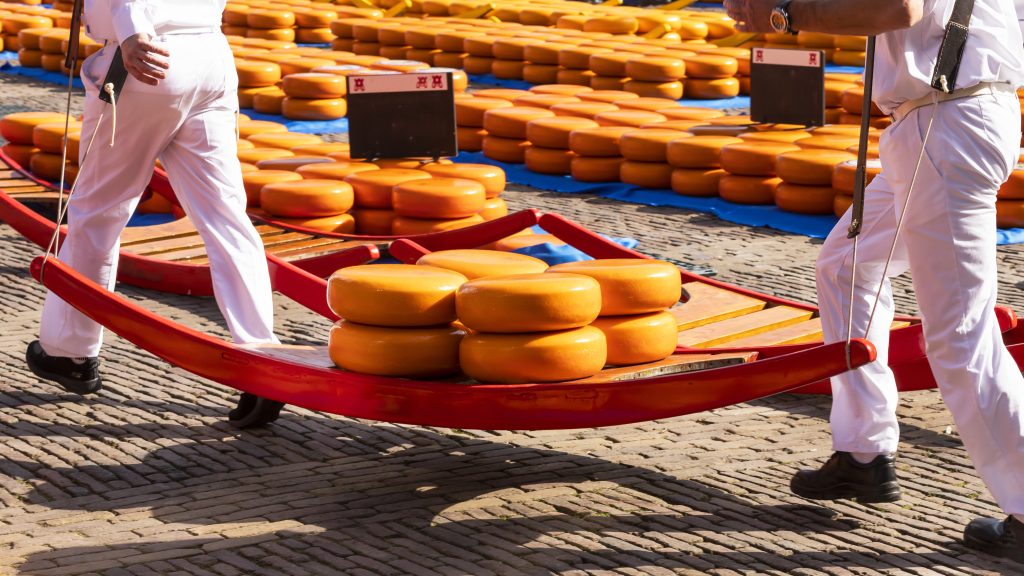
column 516, row 321
column 36, row 140
column 305, row 22
column 842, row 50
column 299, row 179
column 39, row 36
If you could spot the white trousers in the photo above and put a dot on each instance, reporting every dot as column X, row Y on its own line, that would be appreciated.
column 948, row 242
column 188, row 121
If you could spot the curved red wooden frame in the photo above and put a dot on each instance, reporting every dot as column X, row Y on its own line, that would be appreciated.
column 436, row 403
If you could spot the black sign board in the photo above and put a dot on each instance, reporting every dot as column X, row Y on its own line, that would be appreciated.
column 787, row 86
column 407, row 115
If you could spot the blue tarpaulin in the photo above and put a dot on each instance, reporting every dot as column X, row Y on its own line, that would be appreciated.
column 38, row 74
column 304, row 126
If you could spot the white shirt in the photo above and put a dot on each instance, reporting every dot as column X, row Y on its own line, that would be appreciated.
column 118, row 20
column 905, row 59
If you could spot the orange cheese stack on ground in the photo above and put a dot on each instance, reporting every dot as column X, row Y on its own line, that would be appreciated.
column 470, row 111
column 339, row 223
column 648, row 145
column 406, row 226
column 629, row 286
column 423, row 352
column 529, row 303
column 17, row 128
column 810, row 167
column 50, row 137
column 698, row 151
column 475, row 264
column 396, row 295
column 314, row 85
column 306, row 198
column 254, row 181
column 748, row 189
column 601, row 142
column 553, row 356
column 374, row 221
column 640, row 338
column 334, row 170
column 1013, row 188
column 596, row 169
column 313, row 109
column 844, row 174
column 291, row 162
column 753, row 158
column 511, row 122
column 283, row 140
column 511, row 150
column 805, row 199
column 438, row 198
column 696, row 181
column 254, row 155
column 373, row 188
column 247, row 128
column 491, row 177
column 554, row 132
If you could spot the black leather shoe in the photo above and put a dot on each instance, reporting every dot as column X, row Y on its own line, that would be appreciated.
column 843, row 477
column 254, row 411
column 78, row 377
column 1004, row 539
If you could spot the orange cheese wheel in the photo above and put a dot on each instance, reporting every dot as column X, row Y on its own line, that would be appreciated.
column 337, row 170
column 284, row 140
column 574, row 77
column 478, row 64
column 470, row 111
column 247, row 96
column 1013, row 188
column 394, row 294
column 843, row 175
column 438, row 198
column 711, row 66
column 398, row 352
column 753, row 158
column 548, row 160
column 410, row 163
column 851, row 43
column 711, row 89
column 596, row 169
column 665, row 90
column 454, row 40
column 338, row 223
column 494, row 208
column 505, row 149
column 696, row 181
column 269, row 100
column 649, row 104
column 372, row 188
column 511, row 122
column 630, row 285
column 373, row 221
column 810, row 167
column 853, row 100
column 510, row 48
column 274, row 34
column 524, row 239
column 314, row 85
column 606, row 96
column 698, row 151
column 491, row 177
column 17, row 128
column 475, row 264
column 470, row 138
column 638, row 339
column 827, row 142
column 309, row 109
column 834, row 91
column 450, row 60
column 601, row 141
column 509, row 94
column 815, row 40
column 21, row 154
column 690, row 113
column 578, row 58
column 318, row 17
column 50, row 41
column 786, row 136
column 539, row 357
column 634, row 118
column 648, row 145
column 646, row 174
column 553, row 132
column 849, row 58
column 655, row 68
column 611, row 24
column 611, row 64
column 254, row 155
column 47, row 166
column 405, row 226
column 544, row 53
column 254, row 181
column 321, row 149
column 49, row 138
column 805, row 199
column 748, row 189
column 508, row 69
column 302, row 65
column 255, row 73
column 540, row 73
column 28, row 38
column 582, row 109
column 1010, row 214
column 270, row 19
column 528, row 302
column 543, row 100
column 306, row 198
column 247, row 128
column 840, row 204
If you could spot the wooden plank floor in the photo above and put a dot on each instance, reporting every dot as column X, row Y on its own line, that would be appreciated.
column 709, row 304
column 725, row 331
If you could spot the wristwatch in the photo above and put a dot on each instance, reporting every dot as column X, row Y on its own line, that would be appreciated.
column 779, row 18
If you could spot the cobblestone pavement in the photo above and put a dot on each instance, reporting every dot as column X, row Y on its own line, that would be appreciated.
column 147, row 477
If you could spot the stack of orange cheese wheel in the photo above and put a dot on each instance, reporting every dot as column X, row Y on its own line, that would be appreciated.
column 844, row 180
column 531, row 328
column 491, row 178
column 313, row 24
column 598, row 156
column 1010, row 200
column 646, row 157
column 270, row 24
column 506, row 132
column 709, row 75
column 469, row 118
column 635, row 296
column 49, row 140
column 396, row 320
column 852, row 103
column 313, row 96
column 19, row 131
column 549, row 143
column 373, row 195
column 747, row 175
column 436, row 203
column 52, row 50
column 850, row 50
column 254, row 77
column 834, row 88
column 317, row 204
column 807, row 176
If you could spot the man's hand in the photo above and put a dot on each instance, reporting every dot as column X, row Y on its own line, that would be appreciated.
column 750, row 15
column 145, row 60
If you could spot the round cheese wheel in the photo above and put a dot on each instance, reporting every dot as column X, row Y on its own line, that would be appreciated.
column 511, row 122
column 539, row 357
column 544, row 53
column 321, row 149
column 827, row 142
column 553, row 132
column 256, row 73
column 648, row 145
column 851, row 43
column 710, row 66
column 543, row 100
column 268, row 101
column 511, row 150
column 753, row 158
column 611, row 24
column 698, row 151
column 291, row 162
column 49, row 138
column 491, row 177
column 478, row 64
column 406, row 226
column 548, row 160
column 610, row 64
column 314, row 85
column 844, row 173
column 306, row 198
column 785, row 136
column 275, row 34
column 815, row 40
column 400, row 352
column 696, row 181
column 475, row 264
column 596, row 169
column 50, row 41
column 494, row 208
column 509, row 94
column 454, row 40
column 607, row 96
column 748, row 189
column 649, row 104
column 47, row 166
column 805, row 199
column 255, row 181
column 578, row 58
column 438, row 198
column 834, row 92
column 17, row 128
column 332, row 170
column 270, row 19
column 338, row 223
column 471, row 111
column 712, row 89
column 528, row 302
column 601, row 141
column 811, row 167
column 247, row 96
column 574, row 77
column 1010, row 214
column 582, row 109
column 655, row 69
column 450, row 59
column 853, row 100
column 630, row 285
column 1012, row 189
column 849, row 58
column 309, row 109
column 28, row 38
column 840, row 204
column 247, row 128
column 638, row 339
column 470, row 138
column 408, row 163
column 540, row 73
column 690, row 113
column 372, row 188
column 373, row 221
column 284, row 140
column 21, row 154
column 670, row 91
column 646, row 174
column 254, row 155
column 394, row 294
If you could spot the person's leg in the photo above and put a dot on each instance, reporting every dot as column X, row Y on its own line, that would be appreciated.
column 951, row 237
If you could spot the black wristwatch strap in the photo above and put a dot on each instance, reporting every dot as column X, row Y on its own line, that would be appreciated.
column 952, row 48
column 784, row 6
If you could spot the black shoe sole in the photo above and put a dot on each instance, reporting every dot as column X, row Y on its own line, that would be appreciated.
column 254, row 411
column 69, row 384
column 887, row 492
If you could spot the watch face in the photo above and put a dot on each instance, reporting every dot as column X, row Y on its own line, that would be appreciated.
column 778, row 21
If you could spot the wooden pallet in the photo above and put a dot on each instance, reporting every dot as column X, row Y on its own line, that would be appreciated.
column 23, row 189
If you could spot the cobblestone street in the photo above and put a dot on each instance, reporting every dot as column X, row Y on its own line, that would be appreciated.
column 147, row 477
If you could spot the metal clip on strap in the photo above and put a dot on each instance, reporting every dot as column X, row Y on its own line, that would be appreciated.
column 952, row 48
